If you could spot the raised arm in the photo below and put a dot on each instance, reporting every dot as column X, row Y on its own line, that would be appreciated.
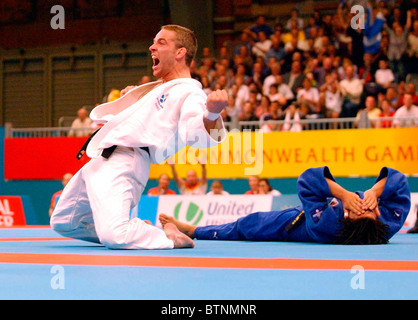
column 408, row 24
column 215, row 103
column 176, row 178
column 204, row 179
column 200, row 123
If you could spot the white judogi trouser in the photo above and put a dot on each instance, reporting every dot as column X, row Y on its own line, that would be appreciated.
column 95, row 205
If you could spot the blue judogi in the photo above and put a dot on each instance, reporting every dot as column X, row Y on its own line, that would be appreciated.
column 322, row 215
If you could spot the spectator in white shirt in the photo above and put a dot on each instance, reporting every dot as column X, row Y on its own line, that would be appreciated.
column 263, row 45
column 217, row 188
column 284, row 89
column 384, row 76
column 242, row 91
column 308, row 94
column 407, row 115
column 275, row 95
column 269, row 80
column 352, row 89
column 294, row 17
column 82, row 126
column 232, row 111
column 333, row 98
column 264, row 187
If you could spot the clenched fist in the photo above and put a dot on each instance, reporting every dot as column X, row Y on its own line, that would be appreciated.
column 217, row 101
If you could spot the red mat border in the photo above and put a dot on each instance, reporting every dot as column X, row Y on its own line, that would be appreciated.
column 207, row 262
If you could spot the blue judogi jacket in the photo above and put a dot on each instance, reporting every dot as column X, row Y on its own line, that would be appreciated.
column 322, row 212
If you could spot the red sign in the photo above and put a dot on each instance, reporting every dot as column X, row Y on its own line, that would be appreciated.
column 11, row 211
column 42, row 158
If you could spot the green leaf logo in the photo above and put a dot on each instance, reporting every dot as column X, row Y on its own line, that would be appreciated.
column 193, row 214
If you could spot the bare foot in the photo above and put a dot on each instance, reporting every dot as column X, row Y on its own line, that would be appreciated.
column 187, row 229
column 180, row 239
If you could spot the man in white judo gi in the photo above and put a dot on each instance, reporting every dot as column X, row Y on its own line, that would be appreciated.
column 147, row 124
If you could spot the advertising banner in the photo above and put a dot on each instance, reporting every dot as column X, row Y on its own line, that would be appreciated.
column 204, row 210
column 349, row 152
column 11, row 211
column 42, row 158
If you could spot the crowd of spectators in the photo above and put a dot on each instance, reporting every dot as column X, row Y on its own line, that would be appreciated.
column 340, row 65
column 193, row 185
column 320, row 67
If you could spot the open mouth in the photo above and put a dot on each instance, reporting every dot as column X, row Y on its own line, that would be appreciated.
column 155, row 61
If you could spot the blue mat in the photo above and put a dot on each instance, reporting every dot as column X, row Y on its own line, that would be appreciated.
column 33, row 280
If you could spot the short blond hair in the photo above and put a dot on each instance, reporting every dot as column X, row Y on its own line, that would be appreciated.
column 184, row 38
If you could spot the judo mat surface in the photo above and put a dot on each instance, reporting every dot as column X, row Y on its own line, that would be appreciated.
column 36, row 263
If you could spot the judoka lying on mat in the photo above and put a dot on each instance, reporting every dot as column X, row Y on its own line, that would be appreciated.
column 328, row 214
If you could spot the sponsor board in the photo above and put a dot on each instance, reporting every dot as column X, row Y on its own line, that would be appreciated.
column 212, row 210
column 361, row 152
column 11, row 211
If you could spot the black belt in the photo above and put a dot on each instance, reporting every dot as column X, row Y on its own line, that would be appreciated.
column 84, row 147
column 299, row 218
column 106, row 153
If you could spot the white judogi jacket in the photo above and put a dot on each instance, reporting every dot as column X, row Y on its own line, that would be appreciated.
column 162, row 116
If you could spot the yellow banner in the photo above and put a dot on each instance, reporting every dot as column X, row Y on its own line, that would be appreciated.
column 355, row 152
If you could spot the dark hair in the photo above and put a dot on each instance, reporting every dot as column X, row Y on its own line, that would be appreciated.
column 267, row 182
column 362, row 231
